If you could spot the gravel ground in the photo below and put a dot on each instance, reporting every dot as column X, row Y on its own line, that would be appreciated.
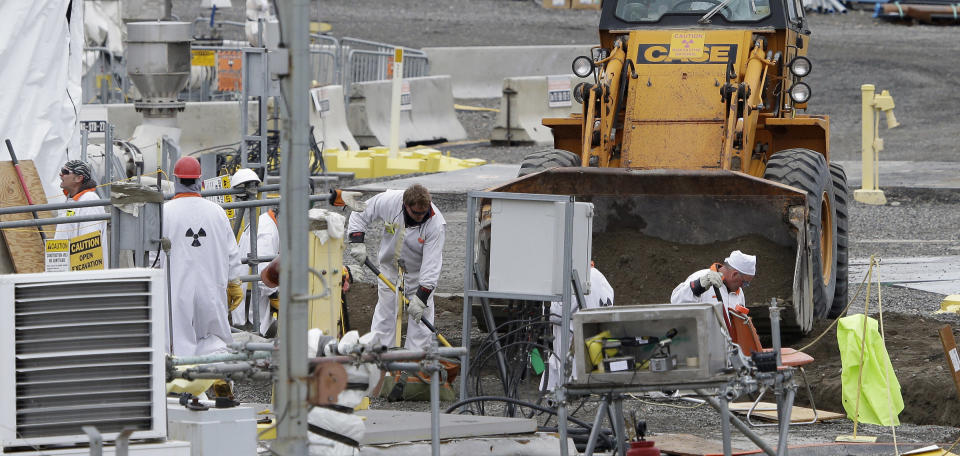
column 917, row 63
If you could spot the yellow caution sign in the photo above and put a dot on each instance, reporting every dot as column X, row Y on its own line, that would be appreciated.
column 56, row 255
column 203, row 58
column 217, row 183
column 686, row 45
column 86, row 252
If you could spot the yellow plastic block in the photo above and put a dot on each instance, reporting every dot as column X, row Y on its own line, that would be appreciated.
column 376, row 161
column 950, row 304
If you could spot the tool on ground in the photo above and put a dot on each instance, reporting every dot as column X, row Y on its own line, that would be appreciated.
column 369, row 264
column 23, row 184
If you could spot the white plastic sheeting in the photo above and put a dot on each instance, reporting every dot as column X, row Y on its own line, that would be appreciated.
column 40, row 91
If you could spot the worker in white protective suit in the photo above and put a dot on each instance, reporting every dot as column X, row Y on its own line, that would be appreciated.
column 268, row 244
column 413, row 232
column 247, row 179
column 203, row 252
column 78, row 184
column 730, row 277
column 601, row 295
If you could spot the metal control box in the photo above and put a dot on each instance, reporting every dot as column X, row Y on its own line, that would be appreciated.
column 699, row 346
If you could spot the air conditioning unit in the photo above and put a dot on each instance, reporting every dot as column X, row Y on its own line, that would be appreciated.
column 81, row 348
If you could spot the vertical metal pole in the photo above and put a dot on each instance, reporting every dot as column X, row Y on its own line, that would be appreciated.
column 244, row 109
column 108, row 156
column 725, row 423
column 435, row 402
column 620, row 431
column 565, row 324
column 84, row 140
column 395, row 102
column 866, row 137
column 784, row 417
column 467, row 287
column 291, row 404
column 252, row 221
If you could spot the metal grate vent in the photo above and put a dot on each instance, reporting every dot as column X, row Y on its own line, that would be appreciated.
column 84, row 354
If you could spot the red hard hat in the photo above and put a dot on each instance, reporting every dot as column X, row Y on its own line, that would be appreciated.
column 187, row 168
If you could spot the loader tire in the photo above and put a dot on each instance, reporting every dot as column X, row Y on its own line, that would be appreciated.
column 808, row 171
column 841, row 195
column 546, row 159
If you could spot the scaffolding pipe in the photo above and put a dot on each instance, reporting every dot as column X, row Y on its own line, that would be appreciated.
column 219, row 358
column 393, row 355
column 54, row 221
column 53, row 206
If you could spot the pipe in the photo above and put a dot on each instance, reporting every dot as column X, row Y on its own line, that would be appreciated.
column 394, row 355
column 54, row 221
column 23, row 184
column 54, row 206
column 219, row 358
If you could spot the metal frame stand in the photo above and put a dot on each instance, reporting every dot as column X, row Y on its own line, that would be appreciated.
column 470, row 291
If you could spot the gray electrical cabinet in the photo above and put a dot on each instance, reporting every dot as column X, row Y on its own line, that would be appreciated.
column 697, row 353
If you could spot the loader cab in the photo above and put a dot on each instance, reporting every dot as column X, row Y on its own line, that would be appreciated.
column 625, row 15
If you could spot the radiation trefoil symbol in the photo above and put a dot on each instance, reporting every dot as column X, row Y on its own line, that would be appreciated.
column 196, row 236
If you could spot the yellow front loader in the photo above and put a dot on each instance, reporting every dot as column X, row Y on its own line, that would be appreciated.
column 693, row 141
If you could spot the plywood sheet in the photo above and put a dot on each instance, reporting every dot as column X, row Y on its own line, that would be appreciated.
column 23, row 244
column 768, row 411
column 687, row 445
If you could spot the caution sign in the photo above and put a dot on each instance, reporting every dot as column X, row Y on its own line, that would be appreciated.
column 687, row 45
column 217, row 183
column 204, row 58
column 56, row 255
column 86, row 252
column 229, row 67
column 321, row 101
column 558, row 92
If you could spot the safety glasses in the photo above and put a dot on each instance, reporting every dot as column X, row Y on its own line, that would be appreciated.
column 65, row 171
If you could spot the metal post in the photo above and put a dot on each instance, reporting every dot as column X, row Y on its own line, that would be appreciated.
column 291, row 393
column 96, row 440
column 725, row 425
column 867, row 134
column 784, row 417
column 509, row 94
column 108, row 157
column 395, row 102
column 435, row 402
column 565, row 324
column 620, row 430
column 84, row 140
column 740, row 425
column 252, row 221
column 467, row 286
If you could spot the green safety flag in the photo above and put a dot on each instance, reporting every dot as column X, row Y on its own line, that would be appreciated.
column 875, row 397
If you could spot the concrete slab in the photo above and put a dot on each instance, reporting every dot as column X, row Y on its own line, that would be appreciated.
column 849, row 449
column 910, row 174
column 394, row 426
column 933, row 274
column 451, row 182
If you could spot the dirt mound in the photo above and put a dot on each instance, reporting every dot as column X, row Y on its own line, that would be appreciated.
column 929, row 395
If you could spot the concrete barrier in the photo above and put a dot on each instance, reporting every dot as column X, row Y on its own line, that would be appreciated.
column 478, row 71
column 328, row 117
column 534, row 99
column 429, row 117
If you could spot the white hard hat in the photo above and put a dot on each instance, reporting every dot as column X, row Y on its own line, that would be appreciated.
column 746, row 264
column 242, row 176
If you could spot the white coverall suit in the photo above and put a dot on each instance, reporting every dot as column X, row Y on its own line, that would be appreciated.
column 421, row 248
column 268, row 243
column 683, row 293
column 601, row 295
column 72, row 230
column 203, row 254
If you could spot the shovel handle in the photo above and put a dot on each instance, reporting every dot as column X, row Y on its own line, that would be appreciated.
column 389, row 284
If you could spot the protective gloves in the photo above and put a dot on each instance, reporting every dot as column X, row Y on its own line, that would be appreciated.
column 711, row 279
column 351, row 200
column 234, row 294
column 359, row 252
column 415, row 308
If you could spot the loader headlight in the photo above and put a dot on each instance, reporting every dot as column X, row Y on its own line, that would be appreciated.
column 800, row 93
column 800, row 66
column 582, row 66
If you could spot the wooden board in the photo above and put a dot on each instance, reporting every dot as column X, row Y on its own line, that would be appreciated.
column 953, row 357
column 768, row 411
column 687, row 445
column 23, row 244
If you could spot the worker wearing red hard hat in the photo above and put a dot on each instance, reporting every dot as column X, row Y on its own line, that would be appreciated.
column 202, row 253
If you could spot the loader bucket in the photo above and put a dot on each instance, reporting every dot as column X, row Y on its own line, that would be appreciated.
column 653, row 228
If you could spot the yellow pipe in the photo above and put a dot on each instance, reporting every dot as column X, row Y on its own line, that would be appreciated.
column 612, row 78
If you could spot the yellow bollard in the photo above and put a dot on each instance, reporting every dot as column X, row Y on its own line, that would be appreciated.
column 871, row 143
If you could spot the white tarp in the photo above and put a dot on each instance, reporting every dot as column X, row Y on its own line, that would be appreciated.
column 40, row 83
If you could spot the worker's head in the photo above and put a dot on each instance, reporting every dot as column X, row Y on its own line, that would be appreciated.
column 738, row 270
column 187, row 172
column 75, row 177
column 416, row 202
